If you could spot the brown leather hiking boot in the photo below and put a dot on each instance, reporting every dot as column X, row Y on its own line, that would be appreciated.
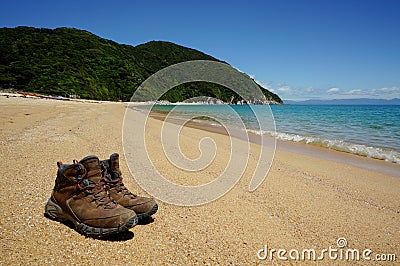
column 144, row 207
column 78, row 199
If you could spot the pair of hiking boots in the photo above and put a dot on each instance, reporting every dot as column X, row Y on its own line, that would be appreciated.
column 91, row 195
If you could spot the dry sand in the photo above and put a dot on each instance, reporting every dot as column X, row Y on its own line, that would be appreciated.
column 305, row 202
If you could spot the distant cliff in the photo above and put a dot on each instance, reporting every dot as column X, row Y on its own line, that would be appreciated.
column 66, row 61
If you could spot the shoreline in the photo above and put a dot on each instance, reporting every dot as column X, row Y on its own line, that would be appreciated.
column 380, row 149
column 364, row 162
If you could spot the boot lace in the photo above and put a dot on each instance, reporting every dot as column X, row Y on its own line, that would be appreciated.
column 115, row 181
column 100, row 197
column 121, row 187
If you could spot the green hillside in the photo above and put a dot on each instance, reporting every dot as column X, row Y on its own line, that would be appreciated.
column 67, row 61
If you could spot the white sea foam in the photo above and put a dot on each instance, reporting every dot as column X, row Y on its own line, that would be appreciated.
column 339, row 145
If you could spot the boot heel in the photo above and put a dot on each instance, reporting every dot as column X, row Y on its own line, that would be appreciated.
column 54, row 211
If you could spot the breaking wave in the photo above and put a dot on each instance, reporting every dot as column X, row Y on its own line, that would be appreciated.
column 388, row 155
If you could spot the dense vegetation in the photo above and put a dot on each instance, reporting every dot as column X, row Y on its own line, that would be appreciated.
column 65, row 61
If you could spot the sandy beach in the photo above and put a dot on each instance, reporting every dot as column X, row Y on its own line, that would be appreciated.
column 306, row 202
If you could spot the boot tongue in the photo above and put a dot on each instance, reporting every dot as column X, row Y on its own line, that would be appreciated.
column 93, row 168
column 114, row 166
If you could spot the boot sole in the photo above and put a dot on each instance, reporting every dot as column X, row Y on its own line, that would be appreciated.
column 146, row 215
column 55, row 212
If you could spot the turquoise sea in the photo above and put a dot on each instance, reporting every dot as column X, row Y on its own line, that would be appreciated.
column 367, row 130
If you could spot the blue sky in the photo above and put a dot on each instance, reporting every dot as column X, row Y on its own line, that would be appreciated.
column 299, row 49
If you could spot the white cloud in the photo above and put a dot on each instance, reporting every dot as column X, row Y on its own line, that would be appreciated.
column 355, row 92
column 265, row 84
column 284, row 90
column 310, row 89
column 381, row 93
column 391, row 90
column 333, row 90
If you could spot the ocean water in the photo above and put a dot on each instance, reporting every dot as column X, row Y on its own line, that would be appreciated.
column 366, row 130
